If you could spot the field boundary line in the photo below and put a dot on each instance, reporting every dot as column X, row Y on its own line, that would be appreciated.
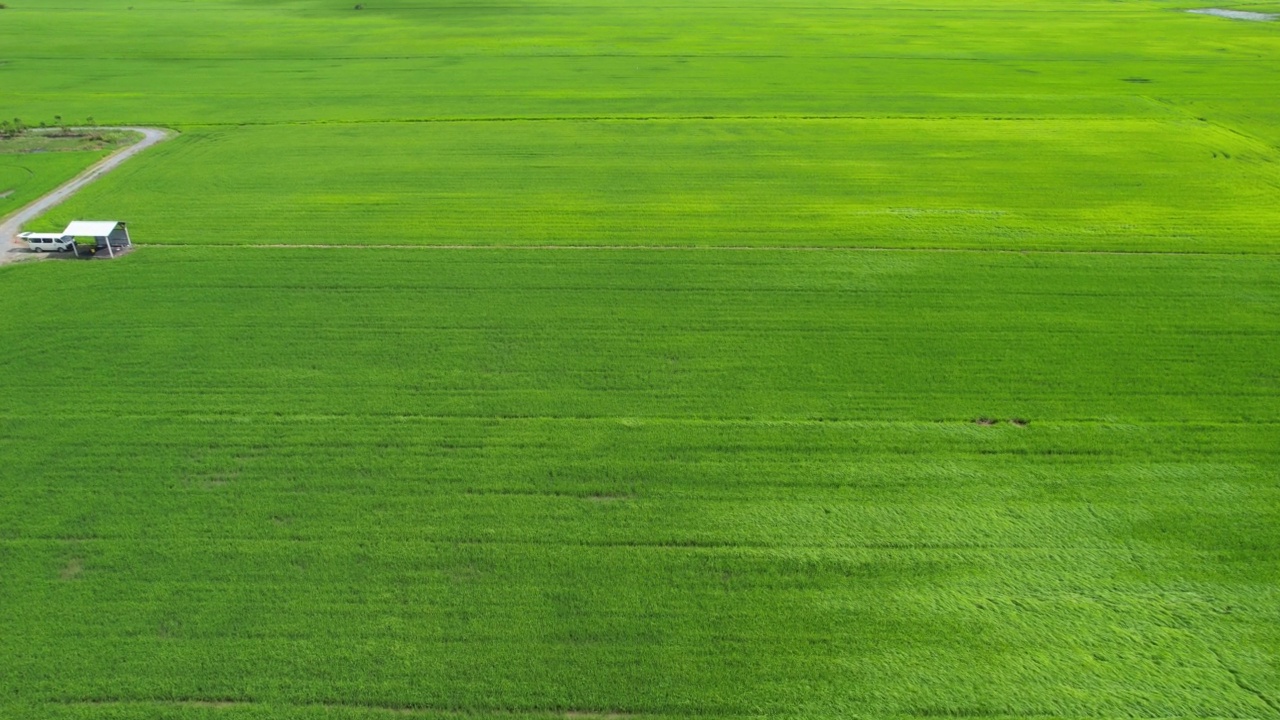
column 12, row 224
column 409, row 710
column 403, row 710
column 710, row 248
column 390, row 709
column 799, row 117
column 947, row 423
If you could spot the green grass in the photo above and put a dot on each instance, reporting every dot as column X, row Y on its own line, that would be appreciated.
column 35, row 162
column 25, row 177
column 525, row 480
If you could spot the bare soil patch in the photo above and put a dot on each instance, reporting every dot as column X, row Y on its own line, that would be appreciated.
column 73, row 569
column 602, row 499
column 985, row 421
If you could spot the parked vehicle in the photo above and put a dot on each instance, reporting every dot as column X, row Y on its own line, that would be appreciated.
column 48, row 242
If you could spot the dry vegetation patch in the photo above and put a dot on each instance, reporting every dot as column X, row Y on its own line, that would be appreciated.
column 74, row 567
column 42, row 140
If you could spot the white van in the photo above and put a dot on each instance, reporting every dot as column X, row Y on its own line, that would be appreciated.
column 48, row 242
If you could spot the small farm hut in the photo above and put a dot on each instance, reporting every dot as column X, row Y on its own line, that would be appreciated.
column 108, row 234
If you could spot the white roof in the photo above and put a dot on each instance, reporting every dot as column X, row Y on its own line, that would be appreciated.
column 42, row 236
column 91, row 228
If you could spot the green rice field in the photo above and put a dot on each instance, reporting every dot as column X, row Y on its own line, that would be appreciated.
column 1134, row 184
column 567, row 359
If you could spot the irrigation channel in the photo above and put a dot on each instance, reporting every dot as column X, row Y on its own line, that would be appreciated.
column 12, row 225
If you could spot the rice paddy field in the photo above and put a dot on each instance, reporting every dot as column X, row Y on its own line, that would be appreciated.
column 647, row 360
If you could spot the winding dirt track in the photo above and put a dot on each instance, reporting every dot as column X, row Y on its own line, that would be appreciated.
column 11, row 225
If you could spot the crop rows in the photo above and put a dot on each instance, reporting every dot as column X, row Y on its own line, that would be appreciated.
column 619, row 481
column 666, row 438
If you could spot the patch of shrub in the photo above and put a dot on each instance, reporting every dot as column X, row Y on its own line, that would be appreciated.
column 12, row 129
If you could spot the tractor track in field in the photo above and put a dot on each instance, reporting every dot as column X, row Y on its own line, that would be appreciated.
column 12, row 224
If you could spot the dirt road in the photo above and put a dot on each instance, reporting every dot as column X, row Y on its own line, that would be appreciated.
column 11, row 225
